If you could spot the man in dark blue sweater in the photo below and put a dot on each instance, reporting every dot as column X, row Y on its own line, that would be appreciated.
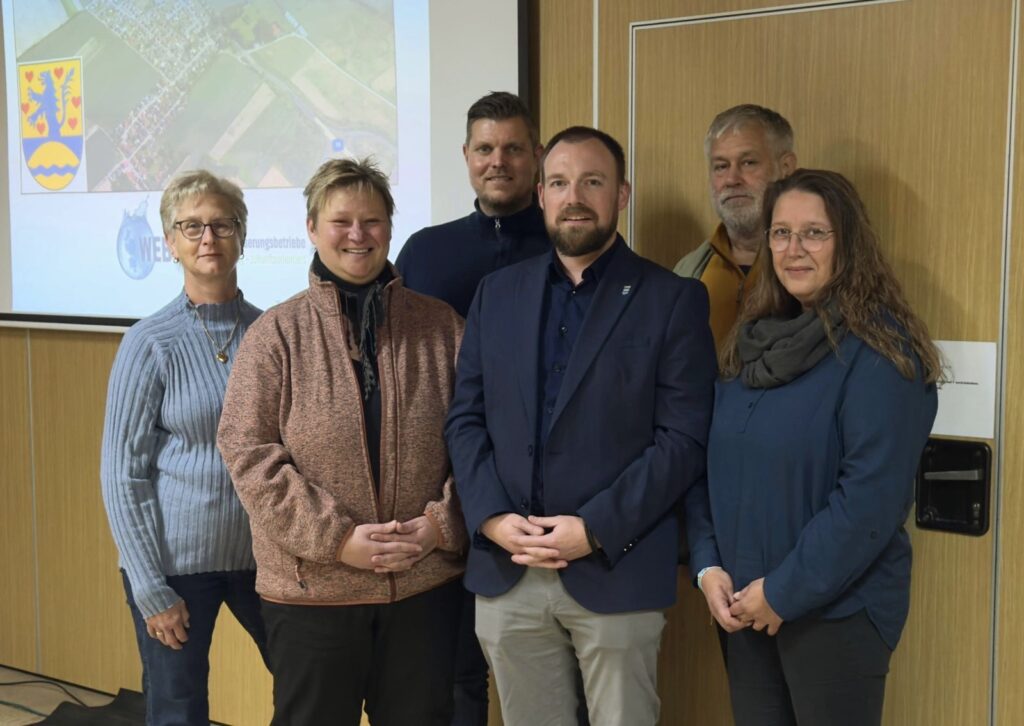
column 501, row 150
column 448, row 261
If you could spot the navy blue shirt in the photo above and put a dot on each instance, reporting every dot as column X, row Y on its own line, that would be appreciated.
column 809, row 485
column 562, row 314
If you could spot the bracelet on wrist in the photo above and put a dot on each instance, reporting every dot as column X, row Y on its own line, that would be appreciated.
column 700, row 576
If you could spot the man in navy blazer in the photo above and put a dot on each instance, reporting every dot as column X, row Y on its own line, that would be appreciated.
column 580, row 417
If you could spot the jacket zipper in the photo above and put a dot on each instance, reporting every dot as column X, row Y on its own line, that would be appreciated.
column 342, row 322
column 362, row 421
column 298, row 575
column 392, row 585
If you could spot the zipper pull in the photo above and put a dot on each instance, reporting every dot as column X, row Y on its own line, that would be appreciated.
column 497, row 225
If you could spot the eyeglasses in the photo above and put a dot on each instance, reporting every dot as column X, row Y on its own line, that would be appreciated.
column 811, row 239
column 194, row 229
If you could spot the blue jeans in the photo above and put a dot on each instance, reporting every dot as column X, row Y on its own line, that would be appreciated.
column 175, row 681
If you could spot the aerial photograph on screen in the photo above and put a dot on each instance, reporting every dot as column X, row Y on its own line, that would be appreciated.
column 131, row 92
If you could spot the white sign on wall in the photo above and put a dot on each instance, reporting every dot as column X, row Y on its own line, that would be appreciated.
column 967, row 401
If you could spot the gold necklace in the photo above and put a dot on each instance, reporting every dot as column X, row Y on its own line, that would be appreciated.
column 221, row 354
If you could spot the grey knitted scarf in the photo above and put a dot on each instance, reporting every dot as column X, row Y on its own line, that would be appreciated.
column 774, row 351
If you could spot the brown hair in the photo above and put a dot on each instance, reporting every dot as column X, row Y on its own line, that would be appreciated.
column 579, row 134
column 501, row 106
column 863, row 288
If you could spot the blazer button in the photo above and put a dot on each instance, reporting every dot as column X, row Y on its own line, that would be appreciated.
column 529, row 450
column 524, row 504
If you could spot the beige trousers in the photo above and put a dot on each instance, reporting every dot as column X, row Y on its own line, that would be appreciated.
column 531, row 637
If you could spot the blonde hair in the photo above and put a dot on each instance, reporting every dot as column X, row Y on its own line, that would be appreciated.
column 363, row 174
column 197, row 183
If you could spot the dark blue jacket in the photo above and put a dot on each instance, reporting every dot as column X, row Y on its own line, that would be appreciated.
column 810, row 484
column 448, row 261
column 627, row 435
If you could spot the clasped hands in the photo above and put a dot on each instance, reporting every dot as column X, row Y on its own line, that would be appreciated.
column 389, row 547
column 734, row 611
column 549, row 542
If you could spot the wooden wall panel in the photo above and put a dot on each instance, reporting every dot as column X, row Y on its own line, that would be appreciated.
column 86, row 635
column 884, row 143
column 562, row 60
column 614, row 34
column 1010, row 655
column 240, row 685
column 898, row 134
column 17, row 556
column 691, row 673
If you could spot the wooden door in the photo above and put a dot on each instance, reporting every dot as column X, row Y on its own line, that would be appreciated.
column 910, row 99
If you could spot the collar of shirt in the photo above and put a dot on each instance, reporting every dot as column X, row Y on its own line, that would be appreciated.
column 593, row 273
column 526, row 221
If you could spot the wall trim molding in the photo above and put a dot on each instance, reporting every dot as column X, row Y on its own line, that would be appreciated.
column 634, row 31
column 1002, row 361
column 35, row 507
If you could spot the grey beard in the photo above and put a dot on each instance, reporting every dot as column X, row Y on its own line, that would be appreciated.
column 744, row 224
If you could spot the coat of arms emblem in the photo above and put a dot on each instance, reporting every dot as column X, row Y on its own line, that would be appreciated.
column 51, row 113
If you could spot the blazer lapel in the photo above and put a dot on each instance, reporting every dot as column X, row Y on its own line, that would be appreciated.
column 526, row 310
column 615, row 290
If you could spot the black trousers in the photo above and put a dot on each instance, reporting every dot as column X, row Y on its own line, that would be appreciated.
column 470, row 670
column 811, row 673
column 398, row 657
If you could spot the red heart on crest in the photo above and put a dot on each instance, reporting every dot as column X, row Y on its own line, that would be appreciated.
column 24, row 108
column 58, row 72
column 40, row 126
column 72, row 122
column 76, row 101
column 29, row 75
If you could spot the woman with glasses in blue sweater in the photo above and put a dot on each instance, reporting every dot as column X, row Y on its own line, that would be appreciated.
column 183, row 537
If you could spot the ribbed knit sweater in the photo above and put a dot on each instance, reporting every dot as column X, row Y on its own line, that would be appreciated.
column 169, row 499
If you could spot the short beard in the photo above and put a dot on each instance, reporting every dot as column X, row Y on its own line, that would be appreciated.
column 743, row 223
column 578, row 242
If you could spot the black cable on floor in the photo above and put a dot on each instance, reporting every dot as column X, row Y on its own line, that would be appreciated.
column 70, row 695
column 26, row 709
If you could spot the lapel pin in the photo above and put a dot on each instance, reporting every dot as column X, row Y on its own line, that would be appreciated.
column 626, row 289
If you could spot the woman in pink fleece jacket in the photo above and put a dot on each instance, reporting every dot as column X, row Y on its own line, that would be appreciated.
column 333, row 433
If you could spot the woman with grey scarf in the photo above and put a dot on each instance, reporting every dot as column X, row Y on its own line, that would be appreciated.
column 825, row 403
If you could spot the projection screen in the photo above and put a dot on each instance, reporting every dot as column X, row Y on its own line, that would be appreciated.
column 108, row 99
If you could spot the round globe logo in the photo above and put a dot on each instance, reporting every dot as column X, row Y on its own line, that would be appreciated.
column 134, row 241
